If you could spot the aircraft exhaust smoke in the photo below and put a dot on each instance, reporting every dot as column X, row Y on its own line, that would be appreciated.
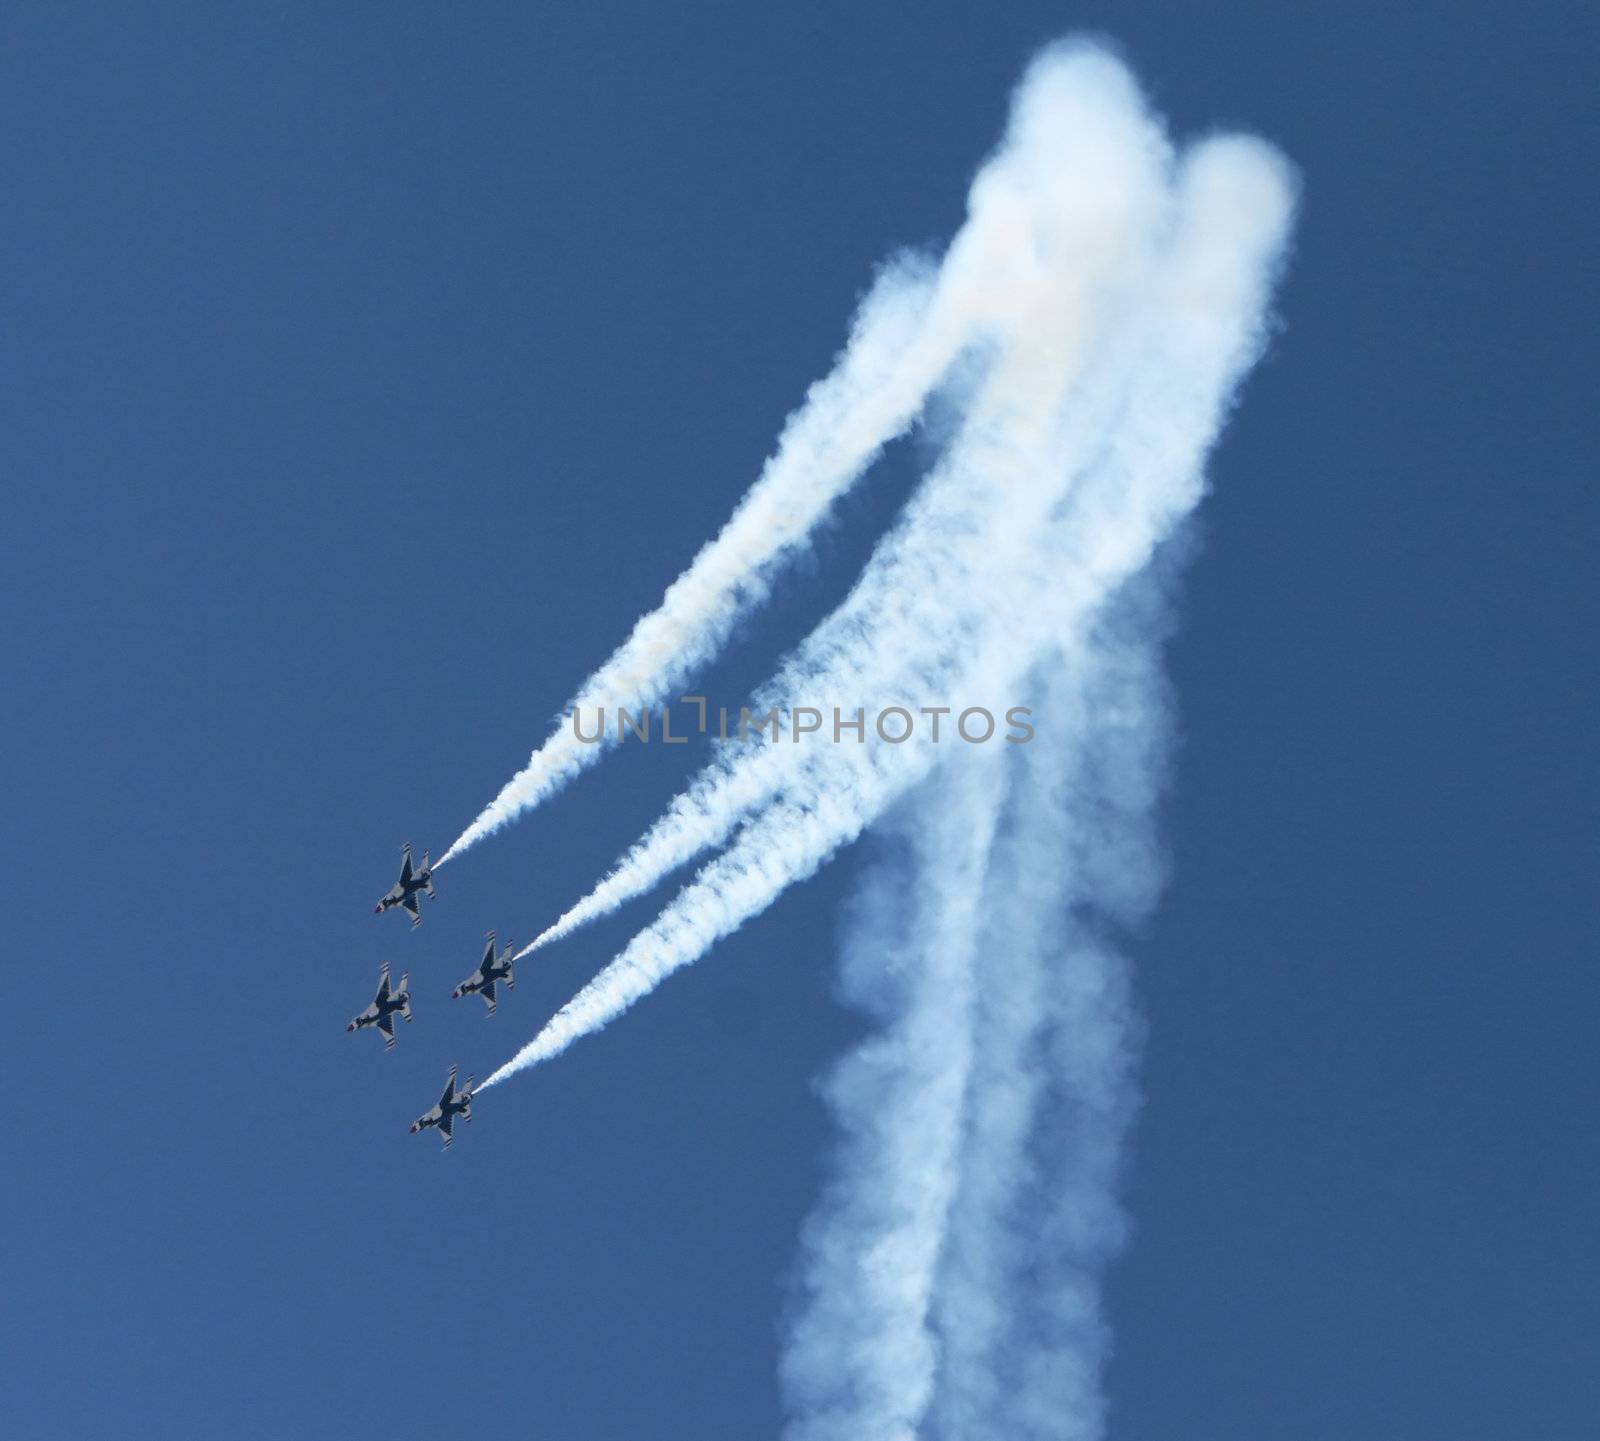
column 915, row 321
column 1094, row 456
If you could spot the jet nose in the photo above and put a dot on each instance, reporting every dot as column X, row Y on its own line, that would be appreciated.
column 414, row 1128
column 351, row 1026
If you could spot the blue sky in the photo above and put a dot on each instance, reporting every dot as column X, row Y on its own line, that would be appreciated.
column 367, row 372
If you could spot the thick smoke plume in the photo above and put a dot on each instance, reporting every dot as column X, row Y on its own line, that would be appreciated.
column 911, row 328
column 1083, row 465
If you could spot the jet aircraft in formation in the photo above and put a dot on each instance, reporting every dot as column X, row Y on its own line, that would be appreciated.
column 385, row 1007
column 490, row 973
column 451, row 1103
column 405, row 891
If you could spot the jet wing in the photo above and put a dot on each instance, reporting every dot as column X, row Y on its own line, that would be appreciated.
column 410, row 902
column 447, row 1126
column 383, row 985
column 385, row 1023
column 449, row 1092
column 487, row 991
column 405, row 867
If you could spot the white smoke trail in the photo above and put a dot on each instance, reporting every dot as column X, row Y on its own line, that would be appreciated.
column 908, row 334
column 967, row 535
column 1235, row 199
column 894, row 356
column 957, row 1282
column 932, row 1272
column 1093, row 205
column 1021, row 1335
column 862, row 1358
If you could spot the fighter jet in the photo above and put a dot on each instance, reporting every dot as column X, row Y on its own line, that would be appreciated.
column 384, row 1008
column 451, row 1104
column 490, row 973
column 406, row 889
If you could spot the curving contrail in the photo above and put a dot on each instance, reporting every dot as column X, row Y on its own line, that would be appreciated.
column 862, row 1357
column 1017, row 1315
column 1201, row 326
column 951, row 1270
column 910, row 330
column 1094, row 216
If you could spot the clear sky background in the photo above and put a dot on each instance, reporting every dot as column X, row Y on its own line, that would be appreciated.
column 368, row 368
